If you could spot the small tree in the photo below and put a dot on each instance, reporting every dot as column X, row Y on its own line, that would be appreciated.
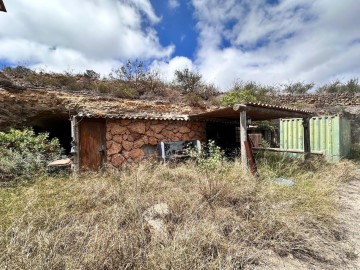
column 298, row 88
column 188, row 80
column 247, row 92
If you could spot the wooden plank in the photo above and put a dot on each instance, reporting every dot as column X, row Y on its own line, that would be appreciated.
column 243, row 139
column 307, row 147
column 91, row 144
column 250, row 158
column 287, row 150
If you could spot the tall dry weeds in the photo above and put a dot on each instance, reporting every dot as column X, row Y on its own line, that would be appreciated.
column 223, row 220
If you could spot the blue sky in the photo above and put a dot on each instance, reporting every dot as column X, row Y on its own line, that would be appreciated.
column 268, row 41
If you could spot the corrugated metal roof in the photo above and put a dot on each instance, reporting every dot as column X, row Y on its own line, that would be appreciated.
column 255, row 111
column 132, row 116
column 263, row 105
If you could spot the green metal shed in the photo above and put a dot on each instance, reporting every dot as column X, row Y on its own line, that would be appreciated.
column 328, row 134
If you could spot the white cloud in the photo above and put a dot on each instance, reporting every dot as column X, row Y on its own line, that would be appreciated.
column 173, row 4
column 295, row 40
column 84, row 33
column 167, row 68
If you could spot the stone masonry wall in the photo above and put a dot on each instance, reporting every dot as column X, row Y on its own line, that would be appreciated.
column 125, row 138
column 319, row 100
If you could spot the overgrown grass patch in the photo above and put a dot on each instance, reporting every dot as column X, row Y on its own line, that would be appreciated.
column 224, row 219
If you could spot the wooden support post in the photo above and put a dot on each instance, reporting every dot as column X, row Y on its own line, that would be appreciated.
column 307, row 149
column 243, row 139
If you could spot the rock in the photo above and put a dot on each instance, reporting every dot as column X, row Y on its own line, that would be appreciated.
column 136, row 154
column 155, row 219
column 184, row 130
column 117, row 160
column 117, row 138
column 139, row 143
column 118, row 130
column 137, row 127
column 114, row 149
column 127, row 145
column 153, row 141
column 157, row 128
column 108, row 136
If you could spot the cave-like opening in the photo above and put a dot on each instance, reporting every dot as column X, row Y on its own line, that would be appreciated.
column 58, row 126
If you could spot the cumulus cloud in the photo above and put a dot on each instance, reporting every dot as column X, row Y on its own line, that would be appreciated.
column 80, row 34
column 167, row 68
column 273, row 43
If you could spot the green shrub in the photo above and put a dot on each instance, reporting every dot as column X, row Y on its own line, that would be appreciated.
column 24, row 153
column 247, row 92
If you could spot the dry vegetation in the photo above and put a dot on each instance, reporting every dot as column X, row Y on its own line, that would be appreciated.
column 220, row 218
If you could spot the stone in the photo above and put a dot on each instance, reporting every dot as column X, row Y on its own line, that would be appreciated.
column 136, row 154
column 125, row 154
column 168, row 134
column 108, row 136
column 149, row 133
column 155, row 218
column 130, row 138
column 159, row 136
column 114, row 149
column 184, row 130
column 153, row 141
column 127, row 145
column 137, row 127
column 117, row 160
column 136, row 136
column 139, row 143
column 117, row 138
column 157, row 128
column 118, row 130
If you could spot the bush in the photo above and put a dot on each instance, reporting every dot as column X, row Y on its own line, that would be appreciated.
column 23, row 153
column 352, row 86
column 298, row 88
column 247, row 92
column 18, row 72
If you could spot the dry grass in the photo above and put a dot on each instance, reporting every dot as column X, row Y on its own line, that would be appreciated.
column 222, row 220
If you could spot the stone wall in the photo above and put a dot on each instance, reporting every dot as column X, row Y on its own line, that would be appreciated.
column 126, row 139
column 319, row 100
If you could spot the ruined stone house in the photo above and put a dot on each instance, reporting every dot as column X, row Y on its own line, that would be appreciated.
column 118, row 140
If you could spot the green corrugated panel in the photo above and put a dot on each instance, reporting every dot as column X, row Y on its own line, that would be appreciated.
column 330, row 134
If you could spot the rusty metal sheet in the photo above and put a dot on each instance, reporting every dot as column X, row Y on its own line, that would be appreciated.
column 254, row 111
column 91, row 144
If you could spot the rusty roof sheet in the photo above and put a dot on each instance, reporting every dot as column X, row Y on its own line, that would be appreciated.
column 2, row 6
column 132, row 116
column 255, row 111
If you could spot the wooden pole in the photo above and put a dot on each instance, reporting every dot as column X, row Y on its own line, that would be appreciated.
column 307, row 147
column 243, row 139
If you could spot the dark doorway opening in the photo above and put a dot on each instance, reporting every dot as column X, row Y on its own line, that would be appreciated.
column 224, row 135
column 58, row 126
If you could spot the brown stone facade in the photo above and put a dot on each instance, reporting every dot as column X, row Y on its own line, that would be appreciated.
column 126, row 139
